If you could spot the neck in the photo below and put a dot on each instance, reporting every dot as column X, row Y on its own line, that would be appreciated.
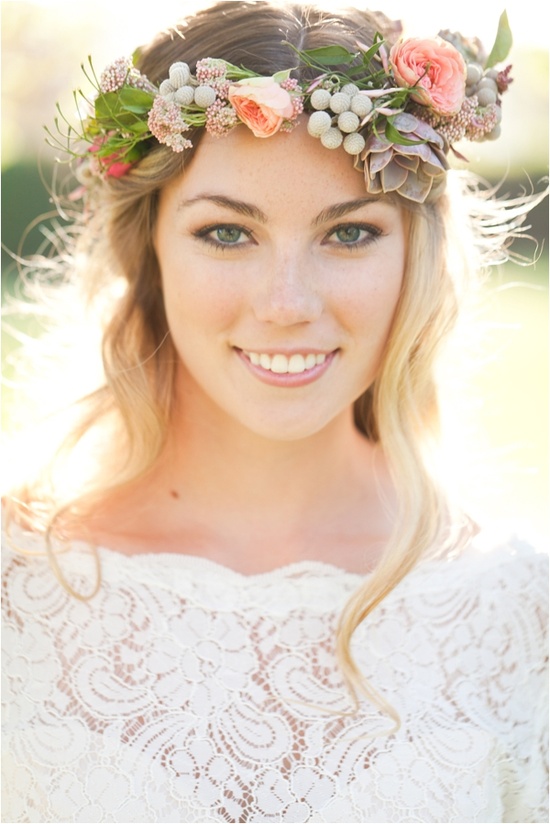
column 230, row 465
column 252, row 503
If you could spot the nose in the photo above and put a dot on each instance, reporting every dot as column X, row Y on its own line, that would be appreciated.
column 287, row 294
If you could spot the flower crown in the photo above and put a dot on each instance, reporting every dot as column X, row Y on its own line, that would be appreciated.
column 397, row 111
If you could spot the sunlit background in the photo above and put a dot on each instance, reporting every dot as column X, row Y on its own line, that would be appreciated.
column 497, row 420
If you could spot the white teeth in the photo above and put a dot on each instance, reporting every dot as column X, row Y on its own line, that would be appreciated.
column 296, row 364
column 281, row 364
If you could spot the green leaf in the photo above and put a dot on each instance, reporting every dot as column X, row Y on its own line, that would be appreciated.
column 123, row 106
column 369, row 54
column 107, row 150
column 138, row 128
column 396, row 136
column 135, row 153
column 364, row 73
column 111, row 114
column 280, row 77
column 106, row 106
column 503, row 42
column 331, row 55
column 135, row 100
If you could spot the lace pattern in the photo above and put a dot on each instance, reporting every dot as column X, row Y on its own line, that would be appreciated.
column 185, row 691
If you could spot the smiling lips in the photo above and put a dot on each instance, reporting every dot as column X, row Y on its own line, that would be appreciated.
column 282, row 364
column 279, row 369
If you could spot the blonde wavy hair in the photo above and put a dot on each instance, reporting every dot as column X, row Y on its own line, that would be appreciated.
column 113, row 244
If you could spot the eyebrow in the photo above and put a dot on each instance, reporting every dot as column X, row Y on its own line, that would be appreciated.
column 341, row 209
column 241, row 207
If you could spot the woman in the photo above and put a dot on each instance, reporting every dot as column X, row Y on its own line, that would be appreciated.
column 289, row 621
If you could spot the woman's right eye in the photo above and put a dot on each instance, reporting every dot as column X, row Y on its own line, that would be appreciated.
column 224, row 235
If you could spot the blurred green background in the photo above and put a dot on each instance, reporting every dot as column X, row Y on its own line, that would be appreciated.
column 497, row 417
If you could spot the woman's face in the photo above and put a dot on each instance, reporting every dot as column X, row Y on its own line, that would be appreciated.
column 280, row 280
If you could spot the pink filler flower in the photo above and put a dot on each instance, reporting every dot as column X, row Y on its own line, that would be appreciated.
column 434, row 68
column 261, row 104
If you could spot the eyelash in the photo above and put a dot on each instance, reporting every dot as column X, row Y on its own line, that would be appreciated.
column 204, row 235
column 373, row 233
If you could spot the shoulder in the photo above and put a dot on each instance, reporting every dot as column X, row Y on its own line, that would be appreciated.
column 497, row 590
column 497, row 602
column 502, row 569
column 492, row 565
column 37, row 574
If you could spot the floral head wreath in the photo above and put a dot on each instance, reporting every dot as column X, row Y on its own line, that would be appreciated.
column 397, row 111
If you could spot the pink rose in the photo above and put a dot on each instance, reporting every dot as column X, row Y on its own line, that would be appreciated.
column 261, row 104
column 434, row 68
column 109, row 165
column 116, row 169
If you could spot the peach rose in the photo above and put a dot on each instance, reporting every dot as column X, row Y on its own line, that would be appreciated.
column 261, row 104
column 434, row 68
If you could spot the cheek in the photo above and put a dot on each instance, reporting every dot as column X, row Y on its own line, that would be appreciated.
column 369, row 298
column 195, row 301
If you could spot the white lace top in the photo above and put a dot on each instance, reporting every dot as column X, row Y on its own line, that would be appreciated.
column 187, row 692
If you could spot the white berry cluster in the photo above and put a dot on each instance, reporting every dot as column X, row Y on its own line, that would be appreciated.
column 483, row 87
column 338, row 116
column 482, row 83
column 178, row 88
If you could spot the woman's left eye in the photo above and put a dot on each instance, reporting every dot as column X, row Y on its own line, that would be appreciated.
column 352, row 235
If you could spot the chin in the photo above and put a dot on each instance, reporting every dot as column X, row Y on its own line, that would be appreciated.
column 293, row 428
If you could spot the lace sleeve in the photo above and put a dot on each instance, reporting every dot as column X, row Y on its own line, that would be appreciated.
column 517, row 683
column 472, row 659
column 525, row 769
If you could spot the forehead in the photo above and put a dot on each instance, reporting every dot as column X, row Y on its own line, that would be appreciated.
column 290, row 171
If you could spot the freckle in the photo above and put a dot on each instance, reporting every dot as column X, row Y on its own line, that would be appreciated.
column 174, row 493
